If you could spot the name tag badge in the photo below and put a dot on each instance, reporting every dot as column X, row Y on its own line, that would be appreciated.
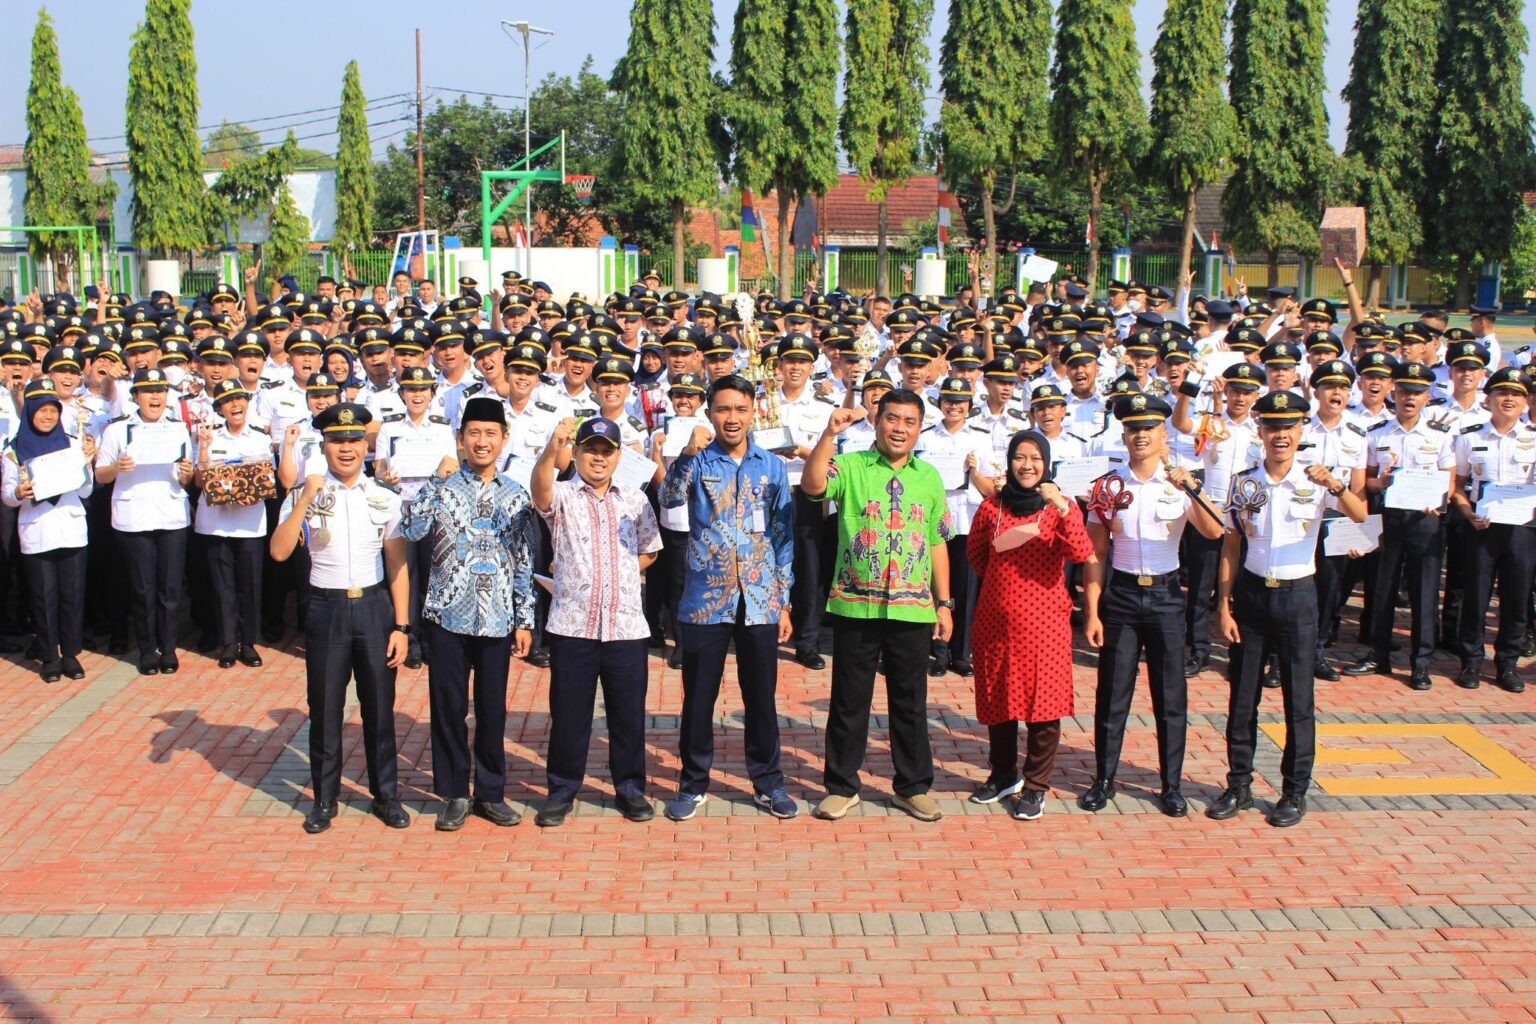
column 759, row 520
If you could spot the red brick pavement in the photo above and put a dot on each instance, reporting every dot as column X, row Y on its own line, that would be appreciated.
column 155, row 806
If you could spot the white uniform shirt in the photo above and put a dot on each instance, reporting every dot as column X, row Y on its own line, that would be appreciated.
column 1340, row 449
column 145, row 497
column 433, row 428
column 806, row 417
column 1223, row 461
column 40, row 525
column 1483, row 455
column 581, row 405
column 1455, row 417
column 1086, row 416
column 1145, row 540
column 278, row 404
column 964, row 500
column 529, row 431
column 1282, row 534
column 251, row 444
column 347, row 530
column 1422, row 447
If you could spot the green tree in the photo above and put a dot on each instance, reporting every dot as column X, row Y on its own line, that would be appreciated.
column 881, row 121
column 229, row 144
column 354, row 168
column 663, row 144
column 783, row 104
column 287, row 245
column 1285, row 166
column 245, row 191
column 1390, row 141
column 1194, row 125
column 164, row 159
column 59, row 187
column 1483, row 158
column 1098, row 121
column 589, row 113
column 992, row 65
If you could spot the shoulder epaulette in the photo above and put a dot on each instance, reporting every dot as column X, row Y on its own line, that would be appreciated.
column 1474, row 428
column 1017, row 414
column 435, row 418
column 1437, row 401
column 269, row 383
column 1102, row 430
column 392, row 417
column 1439, row 425
column 545, row 406
column 1357, row 428
column 975, row 411
column 473, row 388
column 826, row 398
column 1382, row 425
column 259, row 430
column 980, row 428
column 117, row 419
column 637, row 423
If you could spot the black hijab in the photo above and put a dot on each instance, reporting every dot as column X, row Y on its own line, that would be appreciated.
column 1017, row 499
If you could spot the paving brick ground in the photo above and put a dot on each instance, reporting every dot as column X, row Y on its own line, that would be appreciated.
column 152, row 868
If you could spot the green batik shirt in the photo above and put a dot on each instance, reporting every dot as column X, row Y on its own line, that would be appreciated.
column 888, row 523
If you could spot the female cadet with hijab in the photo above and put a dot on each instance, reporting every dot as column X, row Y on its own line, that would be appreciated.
column 52, row 532
column 1020, row 540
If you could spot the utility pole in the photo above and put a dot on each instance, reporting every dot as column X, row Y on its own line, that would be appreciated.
column 526, row 30
column 421, row 164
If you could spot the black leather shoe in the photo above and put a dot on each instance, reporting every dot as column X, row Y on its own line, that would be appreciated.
column 1363, row 667
column 413, row 661
column 1271, row 679
column 1528, row 648
column 1288, row 811
column 1324, row 670
column 656, row 641
column 390, row 813
column 52, row 671
column 1193, row 666
column 811, row 660
column 1467, row 678
column 1510, row 681
column 538, row 658
column 635, row 808
column 319, row 817
column 453, row 815
column 169, row 666
column 1098, row 796
column 1419, row 680
column 938, row 667
column 248, row 656
column 1232, row 800
column 149, row 663
column 72, row 668
column 227, row 657
column 675, row 659
column 1173, row 804
column 497, row 814
column 962, row 669
column 553, row 814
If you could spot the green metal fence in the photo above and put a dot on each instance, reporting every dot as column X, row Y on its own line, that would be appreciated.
column 371, row 267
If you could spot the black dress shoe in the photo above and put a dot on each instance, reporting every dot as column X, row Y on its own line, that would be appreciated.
column 1509, row 680
column 938, row 667
column 553, row 814
column 675, row 659
column 1324, row 670
column 1363, row 667
column 248, row 656
column 656, row 641
column 149, row 663
column 1232, row 800
column 169, row 666
column 1419, row 680
column 1173, row 804
column 538, row 658
column 390, row 813
column 1468, row 679
column 72, row 668
column 1193, row 666
column 319, row 817
column 453, row 815
column 962, row 668
column 1098, row 796
column 1528, row 648
column 635, row 808
column 52, row 671
column 412, row 661
column 497, row 813
column 1271, row 679
column 811, row 660
column 1288, row 811
column 227, row 657
column 34, row 651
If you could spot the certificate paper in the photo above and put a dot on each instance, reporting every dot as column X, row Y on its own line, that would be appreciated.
column 634, row 470
column 414, row 458
column 680, row 432
column 520, row 471
column 1417, row 489
column 951, row 467
column 157, row 444
column 56, row 473
column 1345, row 535
column 1513, row 504
column 1075, row 477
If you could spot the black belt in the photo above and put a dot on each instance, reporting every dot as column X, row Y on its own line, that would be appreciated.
column 351, row 593
column 1269, row 582
column 1135, row 580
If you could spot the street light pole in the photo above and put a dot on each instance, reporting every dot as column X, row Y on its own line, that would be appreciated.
column 526, row 30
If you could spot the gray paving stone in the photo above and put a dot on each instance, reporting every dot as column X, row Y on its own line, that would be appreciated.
column 906, row 922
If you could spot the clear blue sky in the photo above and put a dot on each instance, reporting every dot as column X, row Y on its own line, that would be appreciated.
column 257, row 62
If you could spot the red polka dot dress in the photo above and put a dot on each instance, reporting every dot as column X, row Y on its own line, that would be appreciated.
column 1021, row 638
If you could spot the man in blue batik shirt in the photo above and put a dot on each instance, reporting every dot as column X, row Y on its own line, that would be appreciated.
column 735, row 588
column 478, row 611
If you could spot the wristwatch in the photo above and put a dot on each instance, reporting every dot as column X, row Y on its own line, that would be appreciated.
column 406, row 629
column 947, row 602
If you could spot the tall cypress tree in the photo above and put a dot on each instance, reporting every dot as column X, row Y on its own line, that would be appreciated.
column 783, row 103
column 1097, row 119
column 664, row 147
column 1483, row 157
column 1193, row 124
column 163, row 153
column 881, row 121
column 59, row 188
column 1273, row 201
column 1391, row 97
column 992, row 63
column 287, row 245
column 354, row 168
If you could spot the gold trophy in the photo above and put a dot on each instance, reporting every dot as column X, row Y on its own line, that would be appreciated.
column 866, row 346
column 768, row 429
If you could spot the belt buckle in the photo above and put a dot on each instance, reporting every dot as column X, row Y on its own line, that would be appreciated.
column 354, row 592
column 1143, row 581
column 1271, row 582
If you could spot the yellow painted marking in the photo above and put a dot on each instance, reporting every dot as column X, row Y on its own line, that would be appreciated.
column 1510, row 775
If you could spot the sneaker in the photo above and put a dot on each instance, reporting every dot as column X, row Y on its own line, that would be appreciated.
column 685, row 805
column 833, row 807
column 920, row 805
column 991, row 791
column 1030, row 806
column 777, row 803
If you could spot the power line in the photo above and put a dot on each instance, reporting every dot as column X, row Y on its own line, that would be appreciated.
column 476, row 92
column 301, row 138
column 381, row 100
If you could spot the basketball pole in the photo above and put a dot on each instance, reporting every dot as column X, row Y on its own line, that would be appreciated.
column 526, row 30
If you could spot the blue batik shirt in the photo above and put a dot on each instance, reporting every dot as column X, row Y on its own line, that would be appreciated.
column 482, row 553
column 740, row 536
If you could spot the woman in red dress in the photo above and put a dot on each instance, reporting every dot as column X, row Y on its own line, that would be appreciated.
column 1020, row 541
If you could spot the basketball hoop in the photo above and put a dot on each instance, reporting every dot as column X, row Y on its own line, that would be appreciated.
column 582, row 184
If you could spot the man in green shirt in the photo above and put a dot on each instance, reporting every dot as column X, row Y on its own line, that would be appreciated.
column 890, row 597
